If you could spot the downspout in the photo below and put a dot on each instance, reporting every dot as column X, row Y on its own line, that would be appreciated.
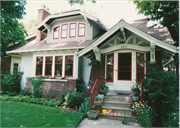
column 171, row 58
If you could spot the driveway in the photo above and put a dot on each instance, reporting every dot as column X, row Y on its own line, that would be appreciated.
column 106, row 123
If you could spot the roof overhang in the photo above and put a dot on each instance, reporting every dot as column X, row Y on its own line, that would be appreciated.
column 133, row 29
column 49, row 19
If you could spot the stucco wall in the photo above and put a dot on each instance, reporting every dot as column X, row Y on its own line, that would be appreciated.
column 84, row 70
column 59, row 22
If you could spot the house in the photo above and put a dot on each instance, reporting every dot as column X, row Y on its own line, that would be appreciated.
column 67, row 42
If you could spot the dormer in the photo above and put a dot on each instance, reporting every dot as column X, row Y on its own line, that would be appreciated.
column 70, row 26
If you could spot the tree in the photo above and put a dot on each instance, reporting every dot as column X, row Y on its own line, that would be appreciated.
column 31, row 25
column 81, row 2
column 11, row 30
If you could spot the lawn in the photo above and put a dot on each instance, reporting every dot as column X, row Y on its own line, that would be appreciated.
column 16, row 114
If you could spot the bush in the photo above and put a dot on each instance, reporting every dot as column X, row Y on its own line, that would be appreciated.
column 163, row 93
column 24, row 93
column 50, row 96
column 144, row 113
column 82, row 88
column 10, row 82
column 62, row 98
column 74, row 99
column 85, row 107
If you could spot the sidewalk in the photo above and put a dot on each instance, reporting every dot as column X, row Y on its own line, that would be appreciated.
column 106, row 123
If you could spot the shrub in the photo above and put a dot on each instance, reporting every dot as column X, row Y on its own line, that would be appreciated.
column 36, row 82
column 82, row 88
column 144, row 113
column 24, row 93
column 50, row 96
column 73, row 99
column 62, row 98
column 85, row 107
column 10, row 82
column 163, row 93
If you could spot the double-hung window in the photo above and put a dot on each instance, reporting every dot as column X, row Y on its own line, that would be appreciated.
column 56, row 33
column 81, row 29
column 69, row 65
column 48, row 66
column 139, row 66
column 64, row 30
column 58, row 66
column 39, row 66
column 72, row 30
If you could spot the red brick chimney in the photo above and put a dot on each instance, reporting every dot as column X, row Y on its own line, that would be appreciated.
column 42, row 14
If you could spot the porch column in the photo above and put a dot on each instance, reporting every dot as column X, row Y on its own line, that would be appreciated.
column 152, row 53
column 97, row 53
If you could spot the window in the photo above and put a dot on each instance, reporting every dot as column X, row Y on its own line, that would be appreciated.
column 139, row 66
column 72, row 30
column 64, row 30
column 15, row 68
column 110, row 68
column 81, row 29
column 58, row 66
column 48, row 66
column 39, row 66
column 56, row 33
column 124, row 66
column 69, row 66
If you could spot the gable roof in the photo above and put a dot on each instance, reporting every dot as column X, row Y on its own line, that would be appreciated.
column 139, row 29
column 49, row 19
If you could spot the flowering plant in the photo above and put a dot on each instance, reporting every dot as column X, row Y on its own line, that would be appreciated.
column 136, row 90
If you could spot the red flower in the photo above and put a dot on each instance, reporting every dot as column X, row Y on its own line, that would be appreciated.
column 136, row 99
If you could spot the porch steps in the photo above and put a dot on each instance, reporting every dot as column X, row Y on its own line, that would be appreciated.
column 118, row 104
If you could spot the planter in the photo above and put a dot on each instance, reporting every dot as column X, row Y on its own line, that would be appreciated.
column 133, row 113
column 99, row 109
column 135, row 98
column 92, row 114
column 98, row 102
column 101, row 96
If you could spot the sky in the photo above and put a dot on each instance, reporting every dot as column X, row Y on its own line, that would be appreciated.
column 108, row 11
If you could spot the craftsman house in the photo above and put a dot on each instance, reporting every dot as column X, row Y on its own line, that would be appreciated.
column 67, row 42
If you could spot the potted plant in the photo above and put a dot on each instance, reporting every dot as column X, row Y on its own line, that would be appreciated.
column 98, row 107
column 98, row 100
column 135, row 92
column 103, row 89
column 92, row 114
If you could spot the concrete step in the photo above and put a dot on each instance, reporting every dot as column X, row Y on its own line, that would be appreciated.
column 116, row 104
column 118, row 109
column 119, row 117
column 121, row 98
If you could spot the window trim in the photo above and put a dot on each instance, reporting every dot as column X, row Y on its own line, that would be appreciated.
column 36, row 66
column 58, row 32
column 72, row 28
column 84, row 29
column 111, row 81
column 118, row 67
column 64, row 29
column 55, row 66
column 137, row 66
column 65, row 66
column 45, row 67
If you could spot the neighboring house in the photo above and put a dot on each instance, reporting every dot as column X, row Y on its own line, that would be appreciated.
column 66, row 42
column 12, row 63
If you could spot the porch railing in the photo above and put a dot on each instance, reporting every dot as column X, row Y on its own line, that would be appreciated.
column 141, row 95
column 95, row 90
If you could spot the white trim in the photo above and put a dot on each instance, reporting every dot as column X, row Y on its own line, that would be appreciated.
column 132, row 29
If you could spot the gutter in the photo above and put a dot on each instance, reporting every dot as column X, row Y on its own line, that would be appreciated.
column 171, row 58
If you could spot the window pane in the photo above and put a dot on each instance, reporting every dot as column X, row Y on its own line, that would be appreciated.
column 140, row 72
column 48, row 69
column 15, row 67
column 64, row 27
column 58, row 70
column 72, row 32
column 58, row 59
column 124, row 75
column 39, row 60
column 110, row 60
column 81, row 31
column 64, row 33
column 39, row 69
column 81, row 25
column 48, row 59
column 72, row 25
column 56, row 33
column 68, row 70
column 69, row 59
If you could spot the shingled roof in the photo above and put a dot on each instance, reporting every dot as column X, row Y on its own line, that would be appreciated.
column 161, row 33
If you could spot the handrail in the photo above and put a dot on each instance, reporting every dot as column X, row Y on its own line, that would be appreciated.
column 141, row 90
column 95, row 90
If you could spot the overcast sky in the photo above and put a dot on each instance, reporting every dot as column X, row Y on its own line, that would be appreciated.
column 108, row 11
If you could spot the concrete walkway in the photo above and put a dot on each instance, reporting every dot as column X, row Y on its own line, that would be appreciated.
column 106, row 123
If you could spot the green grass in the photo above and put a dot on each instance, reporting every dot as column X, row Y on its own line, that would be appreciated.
column 16, row 114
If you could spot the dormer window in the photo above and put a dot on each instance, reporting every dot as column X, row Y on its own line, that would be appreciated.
column 72, row 30
column 56, row 33
column 64, row 30
column 81, row 29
